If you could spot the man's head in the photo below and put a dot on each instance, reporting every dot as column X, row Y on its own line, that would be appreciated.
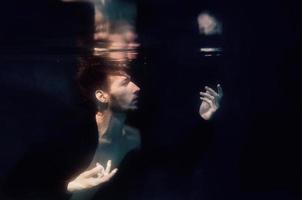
column 107, row 84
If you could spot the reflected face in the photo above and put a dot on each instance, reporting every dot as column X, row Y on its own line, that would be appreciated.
column 123, row 92
column 208, row 24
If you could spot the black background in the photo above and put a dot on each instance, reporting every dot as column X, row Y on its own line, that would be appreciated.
column 254, row 152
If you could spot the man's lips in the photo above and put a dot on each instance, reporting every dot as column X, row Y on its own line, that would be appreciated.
column 135, row 99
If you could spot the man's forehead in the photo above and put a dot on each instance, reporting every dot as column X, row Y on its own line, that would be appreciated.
column 119, row 75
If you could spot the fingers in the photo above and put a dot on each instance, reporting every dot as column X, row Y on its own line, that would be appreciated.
column 220, row 91
column 101, row 173
column 105, row 178
column 211, row 97
column 113, row 172
column 99, row 165
column 109, row 176
column 94, row 171
column 207, row 95
column 108, row 167
column 211, row 91
column 88, row 179
column 207, row 101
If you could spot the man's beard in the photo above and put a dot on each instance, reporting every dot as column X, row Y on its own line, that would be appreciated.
column 117, row 106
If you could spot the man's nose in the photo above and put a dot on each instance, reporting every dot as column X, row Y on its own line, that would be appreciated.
column 136, row 88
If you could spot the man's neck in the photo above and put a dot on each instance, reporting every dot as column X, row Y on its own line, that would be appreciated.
column 110, row 124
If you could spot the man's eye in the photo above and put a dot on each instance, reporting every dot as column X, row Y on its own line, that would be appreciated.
column 125, row 82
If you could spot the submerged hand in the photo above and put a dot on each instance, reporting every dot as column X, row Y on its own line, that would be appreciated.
column 92, row 178
column 210, row 102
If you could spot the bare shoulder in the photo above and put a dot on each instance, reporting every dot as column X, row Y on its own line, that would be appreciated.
column 133, row 137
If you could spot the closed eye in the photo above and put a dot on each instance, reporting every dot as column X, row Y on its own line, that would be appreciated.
column 125, row 81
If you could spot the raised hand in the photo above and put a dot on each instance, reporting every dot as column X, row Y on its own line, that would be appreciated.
column 210, row 102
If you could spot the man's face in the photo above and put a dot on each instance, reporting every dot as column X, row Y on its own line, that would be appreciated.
column 123, row 92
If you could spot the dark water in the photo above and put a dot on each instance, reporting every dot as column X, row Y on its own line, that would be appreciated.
column 253, row 148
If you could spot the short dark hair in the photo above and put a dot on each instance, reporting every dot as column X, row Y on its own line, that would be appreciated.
column 93, row 72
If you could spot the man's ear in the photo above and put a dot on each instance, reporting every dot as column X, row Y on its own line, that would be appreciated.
column 101, row 96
